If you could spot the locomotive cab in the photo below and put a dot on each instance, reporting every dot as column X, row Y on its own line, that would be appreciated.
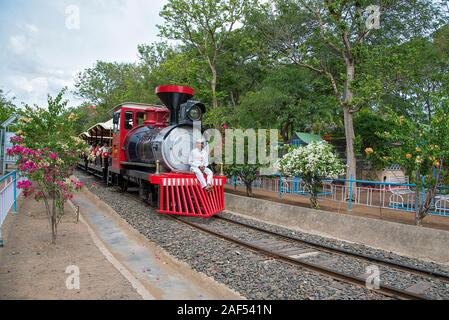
column 129, row 116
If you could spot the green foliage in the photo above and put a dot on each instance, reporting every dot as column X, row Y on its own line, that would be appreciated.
column 246, row 172
column 205, row 26
column 7, row 107
column 371, row 127
column 52, row 127
column 420, row 147
column 289, row 99
column 281, row 65
column 312, row 163
column 423, row 150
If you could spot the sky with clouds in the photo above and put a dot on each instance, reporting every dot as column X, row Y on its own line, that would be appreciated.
column 44, row 43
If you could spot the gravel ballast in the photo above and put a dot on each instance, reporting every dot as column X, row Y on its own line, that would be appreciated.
column 251, row 274
column 390, row 276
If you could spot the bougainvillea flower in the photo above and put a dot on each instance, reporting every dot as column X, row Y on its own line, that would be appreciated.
column 24, row 184
column 53, row 156
column 16, row 139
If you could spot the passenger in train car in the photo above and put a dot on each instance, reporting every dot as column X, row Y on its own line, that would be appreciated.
column 105, row 151
column 92, row 153
column 95, row 153
column 199, row 162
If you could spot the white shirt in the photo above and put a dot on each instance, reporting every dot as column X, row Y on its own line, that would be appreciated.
column 199, row 158
column 104, row 149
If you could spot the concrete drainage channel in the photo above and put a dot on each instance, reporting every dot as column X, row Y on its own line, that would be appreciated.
column 150, row 270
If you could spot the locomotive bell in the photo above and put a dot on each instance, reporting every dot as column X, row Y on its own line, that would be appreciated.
column 173, row 97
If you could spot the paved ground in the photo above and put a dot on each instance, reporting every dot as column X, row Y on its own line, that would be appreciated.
column 32, row 268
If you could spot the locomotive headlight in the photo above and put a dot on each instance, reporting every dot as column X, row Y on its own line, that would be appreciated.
column 195, row 113
column 191, row 111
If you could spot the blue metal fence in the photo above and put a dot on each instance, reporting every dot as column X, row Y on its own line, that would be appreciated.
column 8, row 197
column 389, row 195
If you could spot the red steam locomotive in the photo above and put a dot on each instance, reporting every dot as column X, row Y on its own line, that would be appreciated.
column 150, row 149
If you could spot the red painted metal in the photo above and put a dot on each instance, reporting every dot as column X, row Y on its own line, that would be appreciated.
column 156, row 116
column 173, row 88
column 181, row 194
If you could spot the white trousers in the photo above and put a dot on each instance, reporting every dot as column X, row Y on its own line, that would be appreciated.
column 200, row 175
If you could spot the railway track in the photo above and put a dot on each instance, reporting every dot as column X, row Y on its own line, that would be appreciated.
column 288, row 251
column 325, row 248
column 326, row 270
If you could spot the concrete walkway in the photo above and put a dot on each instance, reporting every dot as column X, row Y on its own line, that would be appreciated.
column 158, row 275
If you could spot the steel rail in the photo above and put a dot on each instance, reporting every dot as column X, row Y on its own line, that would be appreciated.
column 323, row 247
column 336, row 275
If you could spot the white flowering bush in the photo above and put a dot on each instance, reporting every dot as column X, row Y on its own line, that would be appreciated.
column 312, row 163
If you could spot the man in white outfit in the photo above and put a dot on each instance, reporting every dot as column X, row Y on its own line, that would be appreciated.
column 199, row 160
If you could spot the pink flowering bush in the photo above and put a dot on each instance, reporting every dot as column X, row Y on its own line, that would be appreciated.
column 48, row 178
column 16, row 139
column 47, row 150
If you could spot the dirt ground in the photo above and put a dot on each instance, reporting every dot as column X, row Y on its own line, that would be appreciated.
column 32, row 268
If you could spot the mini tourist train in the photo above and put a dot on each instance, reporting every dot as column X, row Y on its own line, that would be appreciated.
column 147, row 147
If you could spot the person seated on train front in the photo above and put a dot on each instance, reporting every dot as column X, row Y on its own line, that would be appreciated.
column 199, row 162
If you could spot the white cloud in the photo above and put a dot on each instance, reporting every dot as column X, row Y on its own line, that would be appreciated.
column 32, row 28
column 29, row 88
column 21, row 43
column 43, row 56
column 18, row 44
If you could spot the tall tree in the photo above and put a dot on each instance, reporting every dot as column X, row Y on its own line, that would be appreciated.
column 289, row 99
column 206, row 26
column 412, row 73
column 333, row 38
column 108, row 84
column 7, row 106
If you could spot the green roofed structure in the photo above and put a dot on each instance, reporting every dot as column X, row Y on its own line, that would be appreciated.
column 303, row 139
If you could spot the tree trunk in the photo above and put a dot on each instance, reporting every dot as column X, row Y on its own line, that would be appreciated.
column 213, row 86
column 54, row 230
column 417, row 200
column 53, row 220
column 314, row 201
column 347, row 113
column 350, row 136
column 249, row 189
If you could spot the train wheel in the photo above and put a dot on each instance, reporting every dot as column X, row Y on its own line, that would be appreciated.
column 153, row 196
column 123, row 184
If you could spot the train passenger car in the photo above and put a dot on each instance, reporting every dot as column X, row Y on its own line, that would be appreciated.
column 150, row 146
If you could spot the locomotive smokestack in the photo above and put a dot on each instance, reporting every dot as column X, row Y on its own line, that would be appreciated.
column 172, row 97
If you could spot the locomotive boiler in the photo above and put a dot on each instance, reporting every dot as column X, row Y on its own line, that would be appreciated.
column 170, row 138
